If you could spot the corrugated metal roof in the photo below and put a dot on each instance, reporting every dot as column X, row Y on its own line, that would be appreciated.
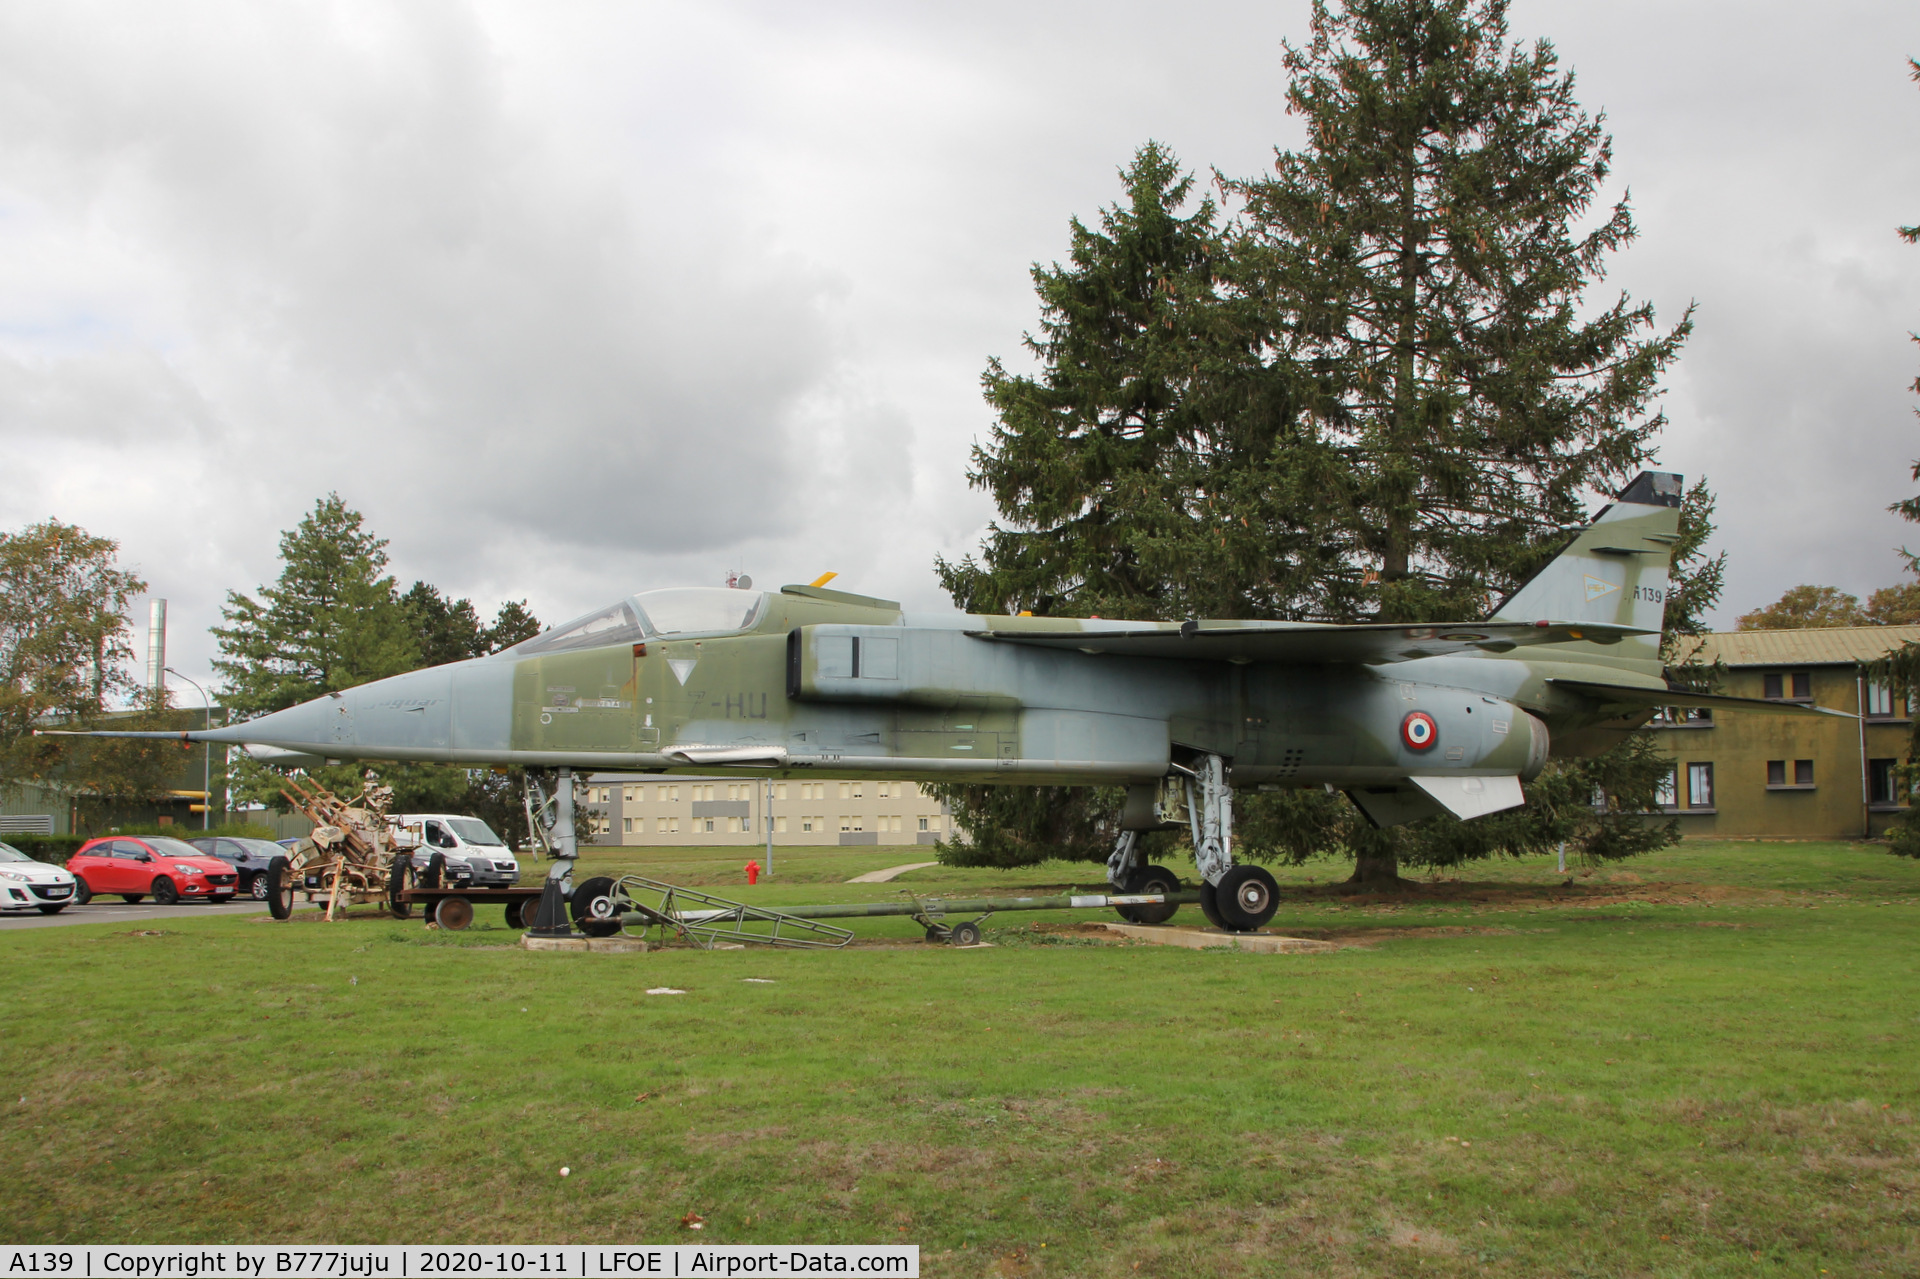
column 1821, row 646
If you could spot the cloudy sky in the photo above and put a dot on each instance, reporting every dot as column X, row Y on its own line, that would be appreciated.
column 572, row 299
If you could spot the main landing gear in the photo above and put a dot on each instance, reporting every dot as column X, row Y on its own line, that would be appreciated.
column 1238, row 899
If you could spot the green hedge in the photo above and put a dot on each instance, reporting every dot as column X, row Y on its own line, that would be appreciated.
column 46, row 848
column 57, row 848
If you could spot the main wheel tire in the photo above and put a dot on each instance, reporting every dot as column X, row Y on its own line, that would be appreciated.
column 1151, row 879
column 453, row 913
column 257, row 887
column 133, row 899
column 1247, row 898
column 1210, row 905
column 593, row 907
column 518, row 915
column 279, row 888
column 966, row 934
column 81, row 893
column 53, row 910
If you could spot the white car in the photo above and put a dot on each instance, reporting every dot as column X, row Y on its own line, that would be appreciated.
column 25, row 882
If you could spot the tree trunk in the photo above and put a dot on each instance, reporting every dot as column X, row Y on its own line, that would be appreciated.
column 1374, row 869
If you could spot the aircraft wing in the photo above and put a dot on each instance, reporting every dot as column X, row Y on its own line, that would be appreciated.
column 1629, row 699
column 1313, row 644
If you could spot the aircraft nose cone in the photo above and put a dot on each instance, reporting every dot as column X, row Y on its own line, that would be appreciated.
column 411, row 712
column 318, row 725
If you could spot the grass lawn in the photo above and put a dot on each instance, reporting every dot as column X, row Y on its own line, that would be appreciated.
column 1705, row 1064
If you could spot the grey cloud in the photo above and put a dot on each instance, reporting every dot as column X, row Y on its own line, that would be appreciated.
column 575, row 299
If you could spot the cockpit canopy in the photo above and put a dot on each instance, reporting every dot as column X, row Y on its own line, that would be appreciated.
column 681, row 610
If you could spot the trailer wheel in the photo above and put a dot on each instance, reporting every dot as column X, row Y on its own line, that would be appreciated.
column 399, row 879
column 279, row 888
column 1151, row 879
column 453, row 913
column 517, row 913
column 965, row 934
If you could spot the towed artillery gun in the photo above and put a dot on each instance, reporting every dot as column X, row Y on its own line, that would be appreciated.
column 356, row 854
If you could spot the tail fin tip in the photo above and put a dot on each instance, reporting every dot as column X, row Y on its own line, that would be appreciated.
column 1654, row 488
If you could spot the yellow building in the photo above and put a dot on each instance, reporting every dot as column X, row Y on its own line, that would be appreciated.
column 650, row 809
column 1744, row 775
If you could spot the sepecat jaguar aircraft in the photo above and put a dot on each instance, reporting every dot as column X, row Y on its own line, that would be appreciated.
column 1408, row 721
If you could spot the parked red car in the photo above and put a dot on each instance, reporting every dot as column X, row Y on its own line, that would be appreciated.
column 168, row 870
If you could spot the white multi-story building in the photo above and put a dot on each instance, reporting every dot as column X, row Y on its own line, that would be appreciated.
column 651, row 809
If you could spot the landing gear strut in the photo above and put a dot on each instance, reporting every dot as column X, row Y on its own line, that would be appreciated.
column 551, row 918
column 1238, row 899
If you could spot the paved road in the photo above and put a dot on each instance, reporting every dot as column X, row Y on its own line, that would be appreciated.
column 115, row 911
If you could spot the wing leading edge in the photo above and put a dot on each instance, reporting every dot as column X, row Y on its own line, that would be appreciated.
column 1312, row 643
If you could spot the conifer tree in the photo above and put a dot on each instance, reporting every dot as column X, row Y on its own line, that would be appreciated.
column 1150, row 467
column 333, row 620
column 1422, row 259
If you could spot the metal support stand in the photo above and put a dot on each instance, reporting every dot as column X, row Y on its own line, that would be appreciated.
column 551, row 920
column 1210, row 815
column 1124, row 860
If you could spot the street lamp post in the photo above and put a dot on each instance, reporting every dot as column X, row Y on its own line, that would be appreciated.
column 206, row 767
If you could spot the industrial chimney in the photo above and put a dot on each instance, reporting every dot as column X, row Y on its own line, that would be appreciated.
column 157, row 650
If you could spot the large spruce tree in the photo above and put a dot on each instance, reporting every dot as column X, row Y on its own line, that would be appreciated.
column 1379, row 392
column 1423, row 264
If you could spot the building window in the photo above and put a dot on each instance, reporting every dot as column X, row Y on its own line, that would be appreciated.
column 846, row 822
column 1879, row 700
column 779, row 790
column 923, row 824
column 1667, row 793
column 673, row 825
column 779, row 825
column 1799, row 776
column 1881, row 781
column 659, row 825
column 1699, row 785
column 626, row 825
column 1794, row 686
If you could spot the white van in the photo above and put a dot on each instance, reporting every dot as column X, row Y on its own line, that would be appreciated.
column 460, row 839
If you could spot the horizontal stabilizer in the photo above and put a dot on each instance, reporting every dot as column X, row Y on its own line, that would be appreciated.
column 1394, row 805
column 1628, row 698
column 1312, row 643
column 1467, row 797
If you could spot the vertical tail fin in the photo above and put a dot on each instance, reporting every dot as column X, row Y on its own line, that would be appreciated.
column 1615, row 570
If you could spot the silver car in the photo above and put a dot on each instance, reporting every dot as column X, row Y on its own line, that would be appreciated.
column 25, row 882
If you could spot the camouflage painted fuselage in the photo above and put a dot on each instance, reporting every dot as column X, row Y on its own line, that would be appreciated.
column 818, row 681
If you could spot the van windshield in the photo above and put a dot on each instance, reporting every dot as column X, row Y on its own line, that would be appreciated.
column 472, row 830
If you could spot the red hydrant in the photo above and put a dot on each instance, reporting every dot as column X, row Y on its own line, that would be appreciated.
column 753, row 872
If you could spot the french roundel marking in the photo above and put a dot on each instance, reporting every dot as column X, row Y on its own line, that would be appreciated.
column 1418, row 730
